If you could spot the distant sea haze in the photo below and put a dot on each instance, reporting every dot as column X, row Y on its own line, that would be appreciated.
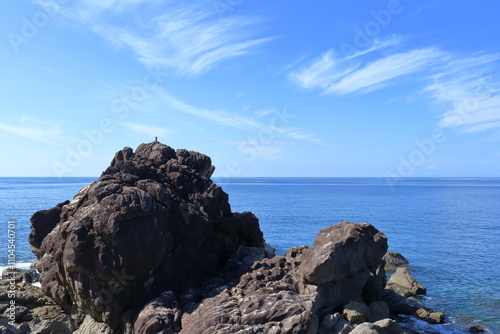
column 448, row 228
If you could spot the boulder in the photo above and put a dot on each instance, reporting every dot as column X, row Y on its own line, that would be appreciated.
column 328, row 323
column 153, row 221
column 343, row 264
column 394, row 260
column 388, row 326
column 356, row 312
column 430, row 316
column 399, row 304
column 378, row 311
column 404, row 284
column 385, row 326
column 341, row 251
column 366, row 328
column 342, row 327
column 90, row 326
column 476, row 329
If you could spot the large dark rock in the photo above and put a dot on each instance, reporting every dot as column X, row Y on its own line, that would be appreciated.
column 404, row 284
column 344, row 264
column 153, row 247
column 341, row 251
column 153, row 221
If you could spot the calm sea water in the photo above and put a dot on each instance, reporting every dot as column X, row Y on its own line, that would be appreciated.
column 448, row 228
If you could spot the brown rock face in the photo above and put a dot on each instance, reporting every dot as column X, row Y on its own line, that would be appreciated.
column 153, row 247
column 154, row 221
column 341, row 251
column 344, row 264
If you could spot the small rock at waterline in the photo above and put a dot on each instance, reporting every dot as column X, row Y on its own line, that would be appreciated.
column 476, row 329
column 404, row 284
column 394, row 260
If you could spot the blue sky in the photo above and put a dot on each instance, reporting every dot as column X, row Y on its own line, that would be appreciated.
column 390, row 89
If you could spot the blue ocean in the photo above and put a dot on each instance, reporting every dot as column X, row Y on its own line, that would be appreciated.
column 448, row 228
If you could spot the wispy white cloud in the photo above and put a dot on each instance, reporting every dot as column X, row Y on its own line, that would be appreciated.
column 65, row 76
column 382, row 72
column 150, row 131
column 46, row 134
column 467, row 89
column 237, row 121
column 187, row 38
column 238, row 96
column 327, row 70
column 379, row 44
column 217, row 116
column 341, row 76
column 464, row 86
column 483, row 127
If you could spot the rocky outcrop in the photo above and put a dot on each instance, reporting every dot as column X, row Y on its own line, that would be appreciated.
column 153, row 247
column 154, row 221
column 295, row 293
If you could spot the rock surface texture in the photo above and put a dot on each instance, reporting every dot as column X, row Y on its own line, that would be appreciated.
column 153, row 247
